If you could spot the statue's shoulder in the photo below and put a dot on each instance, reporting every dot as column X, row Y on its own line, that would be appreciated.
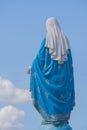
column 44, row 40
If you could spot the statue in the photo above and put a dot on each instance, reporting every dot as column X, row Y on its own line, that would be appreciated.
column 52, row 79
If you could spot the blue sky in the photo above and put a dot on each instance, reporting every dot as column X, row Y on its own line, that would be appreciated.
column 22, row 28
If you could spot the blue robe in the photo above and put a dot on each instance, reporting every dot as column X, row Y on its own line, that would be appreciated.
column 51, row 127
column 52, row 86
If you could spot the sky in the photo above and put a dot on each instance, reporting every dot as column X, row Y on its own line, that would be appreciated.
column 22, row 28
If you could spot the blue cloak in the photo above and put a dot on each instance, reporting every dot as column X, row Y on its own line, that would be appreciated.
column 64, row 126
column 52, row 86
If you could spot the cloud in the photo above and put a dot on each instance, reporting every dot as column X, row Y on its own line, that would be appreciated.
column 11, row 118
column 10, row 94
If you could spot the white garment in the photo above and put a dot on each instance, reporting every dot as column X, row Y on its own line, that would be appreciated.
column 56, row 41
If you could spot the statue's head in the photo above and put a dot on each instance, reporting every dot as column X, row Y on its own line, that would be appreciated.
column 52, row 24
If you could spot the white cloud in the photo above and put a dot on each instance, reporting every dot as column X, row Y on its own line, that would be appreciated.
column 11, row 118
column 9, row 93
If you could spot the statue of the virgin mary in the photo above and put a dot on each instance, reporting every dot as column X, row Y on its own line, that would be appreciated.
column 52, row 80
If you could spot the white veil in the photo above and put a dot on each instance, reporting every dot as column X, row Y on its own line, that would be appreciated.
column 56, row 41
